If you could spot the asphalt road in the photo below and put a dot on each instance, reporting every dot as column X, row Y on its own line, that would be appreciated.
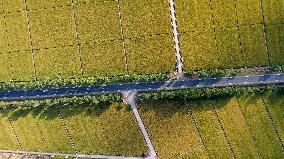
column 14, row 95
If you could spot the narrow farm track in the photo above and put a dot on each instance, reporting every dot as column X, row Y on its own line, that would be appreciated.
column 68, row 155
column 14, row 95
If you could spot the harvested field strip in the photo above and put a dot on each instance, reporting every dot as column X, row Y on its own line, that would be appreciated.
column 258, row 121
column 104, row 129
column 235, row 127
column 7, row 137
column 275, row 104
column 171, row 129
column 211, row 132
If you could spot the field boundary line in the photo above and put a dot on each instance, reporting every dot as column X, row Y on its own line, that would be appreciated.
column 30, row 36
column 223, row 130
column 250, row 129
column 13, row 129
column 67, row 131
column 269, row 115
column 265, row 33
column 179, row 58
column 214, row 31
column 239, row 37
column 69, row 155
column 119, row 5
column 77, row 36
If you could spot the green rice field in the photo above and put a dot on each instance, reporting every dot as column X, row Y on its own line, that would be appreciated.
column 116, row 37
column 243, row 119
column 203, row 128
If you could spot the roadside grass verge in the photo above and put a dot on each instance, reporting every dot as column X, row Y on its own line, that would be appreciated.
column 170, row 128
column 7, row 137
column 258, row 122
column 236, row 129
column 275, row 104
column 211, row 132
column 108, row 129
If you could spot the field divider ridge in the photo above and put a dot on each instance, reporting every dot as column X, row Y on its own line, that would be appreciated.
column 223, row 130
column 119, row 5
column 269, row 115
column 30, row 36
column 40, row 132
column 179, row 58
column 265, row 33
column 77, row 36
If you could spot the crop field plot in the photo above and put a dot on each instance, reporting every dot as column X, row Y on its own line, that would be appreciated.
column 236, row 129
column 7, row 137
column 229, row 50
column 151, row 54
column 146, row 24
column 274, row 11
column 252, row 44
column 97, row 20
column 26, row 129
column 52, row 129
column 5, row 67
column 210, row 130
column 103, row 58
column 22, row 65
column 224, row 13
column 42, row 4
column 276, row 43
column 249, row 12
column 12, row 5
column 104, row 129
column 55, row 62
column 171, row 129
column 275, row 104
column 193, row 15
column 260, row 126
column 14, row 32
column 52, row 27
column 199, row 50
column 146, row 17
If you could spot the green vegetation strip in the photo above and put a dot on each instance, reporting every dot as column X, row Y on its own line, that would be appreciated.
column 170, row 129
column 258, row 122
